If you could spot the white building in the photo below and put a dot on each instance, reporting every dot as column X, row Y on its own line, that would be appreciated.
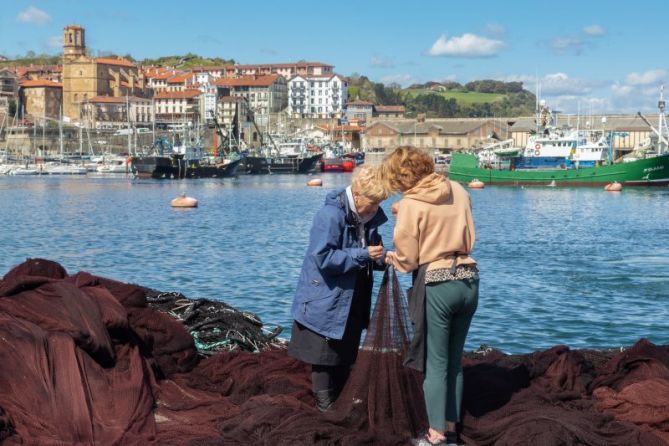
column 317, row 96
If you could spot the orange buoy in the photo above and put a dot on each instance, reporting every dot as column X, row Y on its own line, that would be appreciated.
column 184, row 202
column 613, row 187
column 476, row 184
column 315, row 182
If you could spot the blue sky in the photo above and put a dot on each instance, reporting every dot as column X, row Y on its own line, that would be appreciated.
column 592, row 55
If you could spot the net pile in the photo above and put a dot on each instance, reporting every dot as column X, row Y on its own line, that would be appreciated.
column 382, row 395
column 87, row 360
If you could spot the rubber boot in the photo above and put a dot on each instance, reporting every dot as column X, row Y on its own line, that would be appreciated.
column 324, row 399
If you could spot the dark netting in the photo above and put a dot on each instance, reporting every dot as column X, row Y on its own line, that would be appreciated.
column 91, row 361
column 382, row 395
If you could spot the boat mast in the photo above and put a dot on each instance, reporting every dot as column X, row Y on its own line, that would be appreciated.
column 662, row 123
column 127, row 109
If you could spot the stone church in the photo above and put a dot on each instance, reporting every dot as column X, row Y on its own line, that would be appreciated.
column 86, row 78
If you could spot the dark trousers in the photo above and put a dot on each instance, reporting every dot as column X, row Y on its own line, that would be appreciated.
column 329, row 377
column 449, row 308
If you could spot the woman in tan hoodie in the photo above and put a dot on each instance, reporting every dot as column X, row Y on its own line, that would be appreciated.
column 433, row 237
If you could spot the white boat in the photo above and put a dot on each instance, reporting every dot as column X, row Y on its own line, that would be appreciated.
column 115, row 167
column 66, row 169
column 23, row 171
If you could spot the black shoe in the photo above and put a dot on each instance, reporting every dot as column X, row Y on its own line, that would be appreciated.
column 324, row 399
column 452, row 439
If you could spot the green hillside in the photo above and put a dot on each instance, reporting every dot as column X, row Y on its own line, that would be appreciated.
column 462, row 97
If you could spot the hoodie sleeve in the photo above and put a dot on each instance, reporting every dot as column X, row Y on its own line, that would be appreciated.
column 324, row 246
column 405, row 239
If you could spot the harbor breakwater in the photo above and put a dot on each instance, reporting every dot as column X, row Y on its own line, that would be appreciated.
column 89, row 360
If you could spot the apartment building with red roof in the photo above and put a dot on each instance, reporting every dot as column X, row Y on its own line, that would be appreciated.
column 264, row 94
column 41, row 98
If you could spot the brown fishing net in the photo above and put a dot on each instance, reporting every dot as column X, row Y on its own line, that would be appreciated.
column 381, row 394
column 89, row 361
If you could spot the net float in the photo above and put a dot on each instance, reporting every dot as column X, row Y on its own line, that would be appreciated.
column 476, row 184
column 315, row 182
column 613, row 187
column 184, row 202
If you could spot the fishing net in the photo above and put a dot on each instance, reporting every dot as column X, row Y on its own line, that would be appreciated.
column 381, row 394
column 89, row 360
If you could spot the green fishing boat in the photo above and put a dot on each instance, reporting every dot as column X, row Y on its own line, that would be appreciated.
column 644, row 172
column 570, row 157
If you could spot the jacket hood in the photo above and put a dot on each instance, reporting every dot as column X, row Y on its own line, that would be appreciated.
column 433, row 189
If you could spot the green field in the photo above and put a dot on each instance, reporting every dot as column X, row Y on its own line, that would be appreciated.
column 463, row 98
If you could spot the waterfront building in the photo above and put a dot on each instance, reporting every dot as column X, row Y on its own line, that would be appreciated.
column 34, row 72
column 86, row 77
column 8, row 84
column 182, row 81
column 359, row 110
column 389, row 111
column 264, row 94
column 173, row 107
column 442, row 135
column 317, row 96
column 228, row 107
column 40, row 98
column 109, row 112
column 156, row 78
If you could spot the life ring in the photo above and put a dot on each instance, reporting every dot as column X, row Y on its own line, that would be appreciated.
column 537, row 146
column 537, row 152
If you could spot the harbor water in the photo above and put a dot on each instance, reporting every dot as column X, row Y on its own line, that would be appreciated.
column 574, row 266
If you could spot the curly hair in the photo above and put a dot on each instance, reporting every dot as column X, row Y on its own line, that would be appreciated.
column 405, row 167
column 367, row 181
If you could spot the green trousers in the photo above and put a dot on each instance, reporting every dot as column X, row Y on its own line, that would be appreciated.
column 449, row 308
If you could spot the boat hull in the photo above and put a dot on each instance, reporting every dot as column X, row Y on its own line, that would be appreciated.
column 646, row 172
column 165, row 167
column 293, row 164
column 253, row 165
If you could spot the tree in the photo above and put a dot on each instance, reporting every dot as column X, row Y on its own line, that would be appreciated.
column 12, row 107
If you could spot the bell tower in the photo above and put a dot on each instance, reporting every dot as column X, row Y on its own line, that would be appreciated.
column 74, row 42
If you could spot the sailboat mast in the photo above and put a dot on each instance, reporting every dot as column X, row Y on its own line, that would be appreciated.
column 60, row 132
column 127, row 108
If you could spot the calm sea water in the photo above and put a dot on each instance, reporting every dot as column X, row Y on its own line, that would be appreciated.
column 580, row 267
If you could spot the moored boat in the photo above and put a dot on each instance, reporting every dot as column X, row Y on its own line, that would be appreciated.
column 569, row 158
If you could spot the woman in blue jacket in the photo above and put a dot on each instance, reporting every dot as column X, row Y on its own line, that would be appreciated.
column 333, row 298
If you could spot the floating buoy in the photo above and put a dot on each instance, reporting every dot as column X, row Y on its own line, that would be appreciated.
column 315, row 182
column 613, row 187
column 476, row 184
column 184, row 202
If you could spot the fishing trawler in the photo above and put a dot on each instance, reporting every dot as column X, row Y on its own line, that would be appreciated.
column 570, row 157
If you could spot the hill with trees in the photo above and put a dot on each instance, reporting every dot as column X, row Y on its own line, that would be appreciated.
column 448, row 99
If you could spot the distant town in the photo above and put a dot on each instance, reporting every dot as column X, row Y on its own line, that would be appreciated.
column 116, row 96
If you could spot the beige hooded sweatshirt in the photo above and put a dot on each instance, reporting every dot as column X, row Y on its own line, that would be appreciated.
column 434, row 223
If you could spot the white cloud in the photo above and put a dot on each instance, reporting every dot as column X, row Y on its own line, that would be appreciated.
column 554, row 84
column 647, row 77
column 34, row 15
column 594, row 30
column 55, row 42
column 402, row 79
column 380, row 62
column 562, row 45
column 467, row 45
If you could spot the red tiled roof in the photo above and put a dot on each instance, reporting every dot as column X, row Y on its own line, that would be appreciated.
column 247, row 81
column 35, row 83
column 115, row 61
column 186, row 94
column 340, row 128
column 390, row 108
column 180, row 78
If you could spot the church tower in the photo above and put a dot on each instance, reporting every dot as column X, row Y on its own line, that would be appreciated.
column 74, row 43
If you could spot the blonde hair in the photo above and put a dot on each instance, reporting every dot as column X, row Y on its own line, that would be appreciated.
column 405, row 167
column 367, row 181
